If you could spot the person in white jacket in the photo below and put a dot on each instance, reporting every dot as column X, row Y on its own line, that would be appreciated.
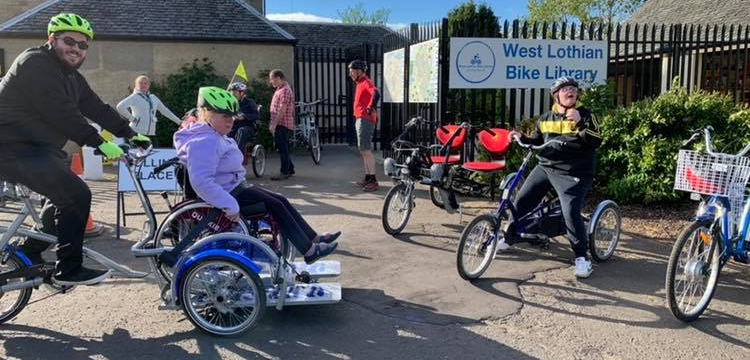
column 141, row 106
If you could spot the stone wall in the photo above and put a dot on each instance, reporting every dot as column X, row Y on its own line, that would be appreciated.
column 111, row 66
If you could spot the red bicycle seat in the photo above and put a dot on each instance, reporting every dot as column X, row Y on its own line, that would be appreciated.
column 497, row 144
column 445, row 133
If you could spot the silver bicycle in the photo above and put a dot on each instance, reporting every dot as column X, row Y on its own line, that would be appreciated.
column 306, row 131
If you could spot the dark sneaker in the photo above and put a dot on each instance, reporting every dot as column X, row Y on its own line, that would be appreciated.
column 82, row 276
column 281, row 176
column 328, row 238
column 319, row 253
column 370, row 186
column 362, row 182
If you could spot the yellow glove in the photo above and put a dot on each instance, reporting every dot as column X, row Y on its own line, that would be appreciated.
column 111, row 150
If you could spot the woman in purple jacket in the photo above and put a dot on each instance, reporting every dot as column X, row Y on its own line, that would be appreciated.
column 216, row 173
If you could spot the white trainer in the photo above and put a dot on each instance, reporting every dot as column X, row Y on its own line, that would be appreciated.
column 583, row 267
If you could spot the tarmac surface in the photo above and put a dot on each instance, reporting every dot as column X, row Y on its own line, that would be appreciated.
column 402, row 296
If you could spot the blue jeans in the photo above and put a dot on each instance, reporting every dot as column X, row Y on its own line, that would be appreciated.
column 281, row 137
column 291, row 223
column 46, row 172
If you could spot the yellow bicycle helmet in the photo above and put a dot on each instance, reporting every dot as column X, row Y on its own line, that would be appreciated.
column 69, row 22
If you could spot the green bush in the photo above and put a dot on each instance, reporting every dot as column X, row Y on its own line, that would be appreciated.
column 637, row 160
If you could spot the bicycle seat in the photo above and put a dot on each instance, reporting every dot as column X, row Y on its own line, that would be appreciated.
column 444, row 135
column 497, row 145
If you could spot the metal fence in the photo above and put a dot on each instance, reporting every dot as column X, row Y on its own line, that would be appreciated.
column 643, row 61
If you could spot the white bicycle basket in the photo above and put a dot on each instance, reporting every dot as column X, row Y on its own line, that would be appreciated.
column 713, row 174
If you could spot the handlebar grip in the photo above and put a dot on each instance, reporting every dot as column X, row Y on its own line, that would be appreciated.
column 166, row 164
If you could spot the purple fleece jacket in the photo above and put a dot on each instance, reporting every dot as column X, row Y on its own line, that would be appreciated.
column 214, row 163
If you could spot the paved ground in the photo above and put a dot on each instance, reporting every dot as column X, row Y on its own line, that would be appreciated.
column 402, row 298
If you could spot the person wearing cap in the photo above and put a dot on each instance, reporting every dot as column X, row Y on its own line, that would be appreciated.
column 366, row 97
column 566, row 167
column 44, row 102
column 141, row 106
column 243, row 130
column 214, row 165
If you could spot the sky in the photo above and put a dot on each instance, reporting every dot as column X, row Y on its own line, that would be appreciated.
column 402, row 11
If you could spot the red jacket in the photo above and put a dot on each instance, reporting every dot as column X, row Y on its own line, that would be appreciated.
column 363, row 96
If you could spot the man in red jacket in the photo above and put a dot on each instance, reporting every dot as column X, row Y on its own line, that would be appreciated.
column 366, row 97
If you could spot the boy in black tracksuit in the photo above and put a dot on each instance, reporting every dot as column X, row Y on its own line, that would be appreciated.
column 567, row 167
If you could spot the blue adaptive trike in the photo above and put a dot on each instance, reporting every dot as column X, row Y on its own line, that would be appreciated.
column 221, row 274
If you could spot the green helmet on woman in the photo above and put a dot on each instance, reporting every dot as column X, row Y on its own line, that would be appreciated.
column 69, row 22
column 218, row 99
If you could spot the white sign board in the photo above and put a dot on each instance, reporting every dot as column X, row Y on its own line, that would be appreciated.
column 490, row 63
column 393, row 76
column 423, row 72
column 164, row 181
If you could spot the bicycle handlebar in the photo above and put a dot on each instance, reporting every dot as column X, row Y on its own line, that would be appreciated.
column 171, row 162
column 707, row 132
column 304, row 104
column 524, row 145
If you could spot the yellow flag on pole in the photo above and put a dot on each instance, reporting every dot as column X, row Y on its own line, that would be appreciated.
column 240, row 72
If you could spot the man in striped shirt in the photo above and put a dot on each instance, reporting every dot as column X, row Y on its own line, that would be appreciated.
column 282, row 121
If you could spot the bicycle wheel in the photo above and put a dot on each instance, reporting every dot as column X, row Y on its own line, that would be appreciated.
column 397, row 208
column 315, row 145
column 435, row 197
column 604, row 230
column 259, row 160
column 12, row 302
column 222, row 296
column 477, row 247
column 691, row 275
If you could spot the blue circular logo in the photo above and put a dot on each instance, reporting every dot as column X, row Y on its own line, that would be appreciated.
column 475, row 62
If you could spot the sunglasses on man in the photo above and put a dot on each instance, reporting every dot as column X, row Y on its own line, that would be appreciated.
column 83, row 45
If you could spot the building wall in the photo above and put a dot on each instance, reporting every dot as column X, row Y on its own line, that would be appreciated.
column 111, row 66
column 10, row 9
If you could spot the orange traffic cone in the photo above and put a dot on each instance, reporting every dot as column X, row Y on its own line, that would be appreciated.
column 76, row 166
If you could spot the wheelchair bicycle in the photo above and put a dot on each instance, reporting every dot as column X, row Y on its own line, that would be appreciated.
column 223, row 281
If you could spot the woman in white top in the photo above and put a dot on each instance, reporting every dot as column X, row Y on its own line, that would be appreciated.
column 141, row 106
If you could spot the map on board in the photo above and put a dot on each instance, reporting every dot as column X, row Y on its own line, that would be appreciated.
column 393, row 76
column 423, row 72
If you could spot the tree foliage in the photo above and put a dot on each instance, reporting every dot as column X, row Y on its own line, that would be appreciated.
column 357, row 14
column 582, row 11
column 179, row 92
column 470, row 19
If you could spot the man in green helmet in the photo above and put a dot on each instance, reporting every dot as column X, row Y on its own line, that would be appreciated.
column 45, row 101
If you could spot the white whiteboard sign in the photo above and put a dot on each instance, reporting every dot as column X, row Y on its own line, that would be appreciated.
column 164, row 181
column 490, row 63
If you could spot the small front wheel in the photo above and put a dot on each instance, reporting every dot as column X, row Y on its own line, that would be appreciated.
column 436, row 198
column 604, row 230
column 222, row 296
column 693, row 270
column 12, row 302
column 397, row 208
column 476, row 249
column 259, row 160
column 315, row 145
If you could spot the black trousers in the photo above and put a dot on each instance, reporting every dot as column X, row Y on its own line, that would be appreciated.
column 46, row 172
column 291, row 223
column 572, row 192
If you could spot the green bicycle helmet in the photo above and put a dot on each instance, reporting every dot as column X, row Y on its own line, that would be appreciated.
column 69, row 22
column 218, row 100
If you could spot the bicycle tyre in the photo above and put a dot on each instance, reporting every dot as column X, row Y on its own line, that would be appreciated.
column 604, row 230
column 315, row 145
column 259, row 160
column 210, row 307
column 401, row 213
column 484, row 248
column 435, row 197
column 695, row 269
column 16, row 300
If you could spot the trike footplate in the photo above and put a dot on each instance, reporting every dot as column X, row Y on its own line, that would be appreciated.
column 306, row 294
column 319, row 269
